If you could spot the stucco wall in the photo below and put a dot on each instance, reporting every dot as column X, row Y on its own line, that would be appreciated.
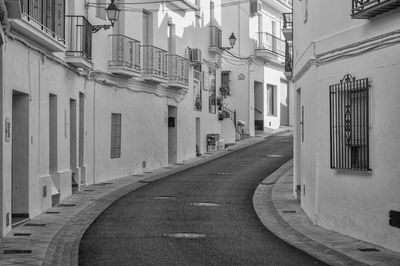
column 350, row 202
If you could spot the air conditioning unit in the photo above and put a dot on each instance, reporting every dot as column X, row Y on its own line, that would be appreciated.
column 255, row 7
column 196, row 57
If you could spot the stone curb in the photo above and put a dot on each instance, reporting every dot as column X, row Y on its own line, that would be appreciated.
column 280, row 213
column 57, row 242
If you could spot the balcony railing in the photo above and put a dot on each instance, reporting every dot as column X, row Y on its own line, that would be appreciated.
column 47, row 16
column 178, row 69
column 125, row 52
column 79, row 37
column 271, row 43
column 288, row 57
column 365, row 9
column 154, row 61
column 287, row 20
column 215, row 37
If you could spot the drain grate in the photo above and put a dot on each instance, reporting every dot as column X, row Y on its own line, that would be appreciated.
column 17, row 251
column 268, row 184
column 368, row 249
column 88, row 190
column 21, row 234
column 34, row 224
column 179, row 164
column 184, row 235
column 168, row 167
column 51, row 212
column 148, row 172
column 288, row 211
column 102, row 184
column 66, row 205
column 205, row 204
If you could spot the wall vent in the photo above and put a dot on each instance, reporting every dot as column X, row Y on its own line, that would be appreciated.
column 394, row 218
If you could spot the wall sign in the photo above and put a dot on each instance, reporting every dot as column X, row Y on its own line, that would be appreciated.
column 241, row 76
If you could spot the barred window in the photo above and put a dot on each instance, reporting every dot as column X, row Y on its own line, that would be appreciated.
column 115, row 135
column 349, row 124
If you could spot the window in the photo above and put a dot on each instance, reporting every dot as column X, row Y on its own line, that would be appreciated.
column 225, row 89
column 115, row 135
column 349, row 124
column 271, row 95
column 101, row 9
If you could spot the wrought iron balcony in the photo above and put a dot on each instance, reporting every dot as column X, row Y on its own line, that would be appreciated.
column 270, row 46
column 215, row 40
column 178, row 71
column 287, row 29
column 184, row 4
column 79, row 51
column 288, row 60
column 42, row 21
column 365, row 9
column 125, row 56
column 155, row 64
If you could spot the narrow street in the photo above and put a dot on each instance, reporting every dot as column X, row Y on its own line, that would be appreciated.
column 202, row 216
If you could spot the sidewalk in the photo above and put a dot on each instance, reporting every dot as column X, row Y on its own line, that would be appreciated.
column 281, row 213
column 53, row 237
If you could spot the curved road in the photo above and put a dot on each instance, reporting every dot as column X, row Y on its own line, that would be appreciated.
column 170, row 221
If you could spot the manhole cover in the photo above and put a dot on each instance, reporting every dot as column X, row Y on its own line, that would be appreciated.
column 163, row 197
column 184, row 235
column 274, row 155
column 205, row 204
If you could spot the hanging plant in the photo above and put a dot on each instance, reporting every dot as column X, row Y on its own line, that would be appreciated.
column 4, row 16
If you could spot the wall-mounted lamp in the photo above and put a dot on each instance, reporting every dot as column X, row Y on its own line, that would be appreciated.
column 232, row 41
column 112, row 13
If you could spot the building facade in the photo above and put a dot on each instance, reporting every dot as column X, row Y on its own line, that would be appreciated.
column 253, row 70
column 83, row 102
column 346, row 76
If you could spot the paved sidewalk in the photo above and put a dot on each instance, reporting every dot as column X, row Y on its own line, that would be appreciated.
column 281, row 213
column 52, row 238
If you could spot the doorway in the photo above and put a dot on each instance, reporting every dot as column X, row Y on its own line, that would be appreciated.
column 172, row 134
column 82, row 137
column 53, row 149
column 198, row 138
column 284, row 103
column 258, row 106
column 20, row 158
column 72, row 145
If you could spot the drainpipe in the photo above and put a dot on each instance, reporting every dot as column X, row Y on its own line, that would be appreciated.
column 94, row 131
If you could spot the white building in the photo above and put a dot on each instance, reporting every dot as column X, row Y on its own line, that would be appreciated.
column 347, row 150
column 253, row 70
column 82, row 103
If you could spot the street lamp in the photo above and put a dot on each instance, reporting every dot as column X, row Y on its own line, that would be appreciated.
column 232, row 41
column 112, row 13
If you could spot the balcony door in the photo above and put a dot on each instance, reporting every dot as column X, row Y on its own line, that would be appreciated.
column 146, row 28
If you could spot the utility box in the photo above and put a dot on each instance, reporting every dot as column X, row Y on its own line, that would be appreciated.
column 212, row 142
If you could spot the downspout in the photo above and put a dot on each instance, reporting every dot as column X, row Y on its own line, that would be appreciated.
column 94, row 131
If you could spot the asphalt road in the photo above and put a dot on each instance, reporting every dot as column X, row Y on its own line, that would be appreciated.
column 170, row 221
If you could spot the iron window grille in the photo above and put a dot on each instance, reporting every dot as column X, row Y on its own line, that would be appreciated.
column 115, row 135
column 349, row 124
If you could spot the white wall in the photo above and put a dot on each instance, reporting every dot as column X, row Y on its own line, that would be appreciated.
column 349, row 202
